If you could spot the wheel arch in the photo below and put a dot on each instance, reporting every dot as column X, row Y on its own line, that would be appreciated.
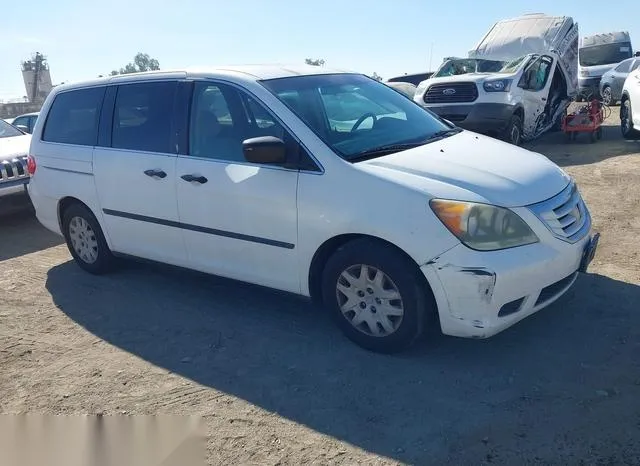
column 519, row 111
column 330, row 246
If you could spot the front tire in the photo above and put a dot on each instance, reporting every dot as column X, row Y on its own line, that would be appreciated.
column 513, row 131
column 626, row 121
column 85, row 240
column 376, row 296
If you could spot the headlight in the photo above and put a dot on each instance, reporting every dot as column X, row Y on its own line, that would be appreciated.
column 482, row 226
column 500, row 85
column 584, row 73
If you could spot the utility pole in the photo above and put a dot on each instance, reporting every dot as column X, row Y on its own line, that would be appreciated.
column 36, row 75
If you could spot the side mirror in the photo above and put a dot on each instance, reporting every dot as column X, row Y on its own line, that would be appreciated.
column 23, row 128
column 265, row 149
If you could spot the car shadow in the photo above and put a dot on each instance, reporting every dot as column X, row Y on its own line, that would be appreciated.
column 444, row 400
column 21, row 233
column 581, row 151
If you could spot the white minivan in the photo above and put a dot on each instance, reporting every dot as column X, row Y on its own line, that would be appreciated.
column 326, row 184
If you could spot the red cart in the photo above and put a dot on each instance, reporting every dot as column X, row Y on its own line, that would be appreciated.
column 587, row 119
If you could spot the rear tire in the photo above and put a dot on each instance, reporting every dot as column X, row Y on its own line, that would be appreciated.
column 607, row 96
column 513, row 131
column 85, row 240
column 626, row 121
column 376, row 296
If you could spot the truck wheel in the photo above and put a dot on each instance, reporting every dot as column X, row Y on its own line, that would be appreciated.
column 513, row 131
column 375, row 295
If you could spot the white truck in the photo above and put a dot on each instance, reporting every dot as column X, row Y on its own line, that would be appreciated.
column 528, row 95
column 598, row 54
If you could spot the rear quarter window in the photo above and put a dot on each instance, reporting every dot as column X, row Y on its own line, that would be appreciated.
column 73, row 117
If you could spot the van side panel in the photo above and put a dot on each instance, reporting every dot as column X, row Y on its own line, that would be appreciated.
column 62, row 170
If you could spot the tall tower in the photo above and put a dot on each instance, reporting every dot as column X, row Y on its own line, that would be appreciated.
column 37, row 79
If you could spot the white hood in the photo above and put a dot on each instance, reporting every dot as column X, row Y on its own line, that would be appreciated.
column 471, row 167
column 14, row 146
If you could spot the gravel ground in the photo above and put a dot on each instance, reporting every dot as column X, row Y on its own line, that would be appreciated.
column 276, row 383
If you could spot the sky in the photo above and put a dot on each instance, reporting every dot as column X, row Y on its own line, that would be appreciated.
column 83, row 39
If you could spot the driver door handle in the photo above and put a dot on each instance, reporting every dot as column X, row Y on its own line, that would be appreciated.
column 197, row 179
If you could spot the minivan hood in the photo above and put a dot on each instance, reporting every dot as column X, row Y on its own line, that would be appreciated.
column 471, row 167
column 14, row 146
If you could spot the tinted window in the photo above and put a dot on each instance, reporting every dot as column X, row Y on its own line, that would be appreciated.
column 624, row 67
column 73, row 118
column 22, row 121
column 536, row 75
column 142, row 117
column 636, row 64
column 604, row 54
column 222, row 118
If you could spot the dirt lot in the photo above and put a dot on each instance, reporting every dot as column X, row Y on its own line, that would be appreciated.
column 277, row 384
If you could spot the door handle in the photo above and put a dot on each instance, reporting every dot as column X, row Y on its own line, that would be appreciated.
column 197, row 179
column 159, row 174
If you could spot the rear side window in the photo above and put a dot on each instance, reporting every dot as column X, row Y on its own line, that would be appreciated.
column 73, row 118
column 142, row 117
column 624, row 66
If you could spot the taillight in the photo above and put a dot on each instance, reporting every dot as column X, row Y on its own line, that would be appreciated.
column 31, row 165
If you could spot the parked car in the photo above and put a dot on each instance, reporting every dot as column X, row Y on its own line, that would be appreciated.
column 14, row 147
column 26, row 122
column 325, row 184
column 630, row 106
column 528, row 95
column 613, row 80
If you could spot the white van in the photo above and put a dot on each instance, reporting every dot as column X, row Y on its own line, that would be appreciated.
column 598, row 54
column 325, row 184
column 528, row 95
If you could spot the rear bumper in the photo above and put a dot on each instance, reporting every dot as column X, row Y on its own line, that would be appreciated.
column 479, row 117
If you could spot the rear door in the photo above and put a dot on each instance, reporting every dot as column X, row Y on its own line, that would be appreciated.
column 135, row 171
column 618, row 77
column 535, row 82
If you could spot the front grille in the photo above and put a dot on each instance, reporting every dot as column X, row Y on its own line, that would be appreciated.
column 565, row 214
column 451, row 93
column 13, row 169
column 553, row 290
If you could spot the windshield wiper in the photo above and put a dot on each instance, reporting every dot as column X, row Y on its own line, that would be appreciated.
column 391, row 148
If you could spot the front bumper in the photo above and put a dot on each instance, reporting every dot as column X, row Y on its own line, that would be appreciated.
column 480, row 294
column 479, row 117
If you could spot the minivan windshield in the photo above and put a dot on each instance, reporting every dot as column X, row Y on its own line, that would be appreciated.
column 605, row 54
column 8, row 131
column 457, row 66
column 356, row 116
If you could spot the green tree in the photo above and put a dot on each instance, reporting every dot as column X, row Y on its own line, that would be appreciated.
column 314, row 61
column 141, row 62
